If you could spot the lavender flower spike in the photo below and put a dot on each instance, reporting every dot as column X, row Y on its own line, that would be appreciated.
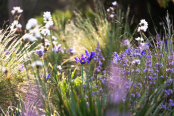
column 89, row 56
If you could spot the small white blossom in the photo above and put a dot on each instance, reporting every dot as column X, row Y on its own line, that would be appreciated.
column 143, row 22
column 37, row 63
column 17, row 10
column 143, row 28
column 28, row 37
column 112, row 15
column 143, row 25
column 4, row 69
column 45, row 32
column 112, row 8
column 47, row 44
column 47, row 17
column 31, row 23
column 114, row 3
column 136, row 61
column 108, row 10
column 35, row 32
column 59, row 67
column 54, row 43
column 49, row 24
column 15, row 22
column 139, row 39
column 54, row 38
column 19, row 26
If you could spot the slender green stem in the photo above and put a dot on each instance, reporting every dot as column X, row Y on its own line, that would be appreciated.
column 82, row 73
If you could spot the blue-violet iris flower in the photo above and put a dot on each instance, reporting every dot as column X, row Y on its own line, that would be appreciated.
column 90, row 56
column 82, row 60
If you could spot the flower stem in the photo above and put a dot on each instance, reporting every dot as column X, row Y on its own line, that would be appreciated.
column 82, row 73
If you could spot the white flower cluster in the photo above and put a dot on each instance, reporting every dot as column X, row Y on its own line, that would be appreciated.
column 47, row 19
column 45, row 32
column 16, row 10
column 29, row 38
column 53, row 39
column 143, row 25
column 33, row 29
column 32, row 23
column 111, row 9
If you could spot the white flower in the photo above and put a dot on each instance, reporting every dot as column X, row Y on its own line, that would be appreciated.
column 45, row 32
column 47, row 44
column 47, row 17
column 15, row 22
column 108, row 10
column 59, row 67
column 112, row 8
column 19, row 26
column 112, row 15
column 143, row 22
column 37, row 63
column 139, row 39
column 54, row 38
column 114, row 3
column 4, row 69
column 143, row 28
column 143, row 25
column 54, row 43
column 16, row 10
column 0, row 31
column 35, row 32
column 136, row 61
column 31, row 23
column 28, row 37
column 49, row 24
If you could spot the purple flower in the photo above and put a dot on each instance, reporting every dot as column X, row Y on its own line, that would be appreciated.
column 139, row 84
column 7, row 51
column 166, row 43
column 84, row 85
column 48, row 76
column 101, row 90
column 90, row 56
column 21, row 68
column 40, row 52
column 163, row 106
column 138, row 95
column 71, row 50
column 99, row 78
column 103, row 80
column 58, row 48
column 82, row 60
column 126, row 42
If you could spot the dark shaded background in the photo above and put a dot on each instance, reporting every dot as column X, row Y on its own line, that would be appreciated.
column 150, row 10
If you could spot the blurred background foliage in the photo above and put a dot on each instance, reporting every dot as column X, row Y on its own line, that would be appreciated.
column 152, row 10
